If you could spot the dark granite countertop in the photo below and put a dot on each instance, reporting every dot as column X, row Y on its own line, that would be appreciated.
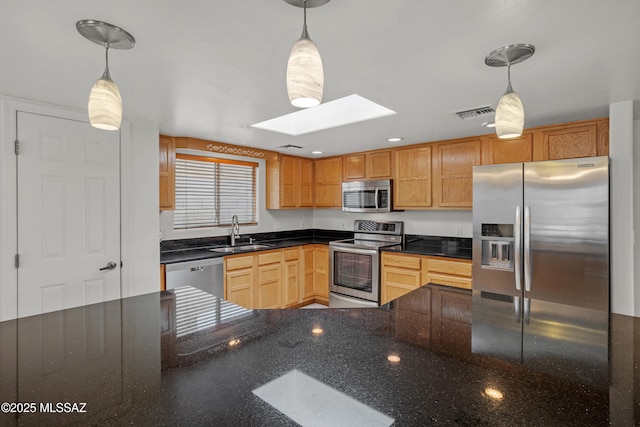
column 196, row 249
column 188, row 358
column 450, row 247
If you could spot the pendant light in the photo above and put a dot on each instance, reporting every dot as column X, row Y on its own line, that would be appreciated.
column 509, row 119
column 105, row 103
column 305, row 77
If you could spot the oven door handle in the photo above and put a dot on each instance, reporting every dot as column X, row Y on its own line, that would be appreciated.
column 351, row 250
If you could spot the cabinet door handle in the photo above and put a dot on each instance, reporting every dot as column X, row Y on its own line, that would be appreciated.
column 110, row 266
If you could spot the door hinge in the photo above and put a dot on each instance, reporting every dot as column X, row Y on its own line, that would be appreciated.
column 17, row 260
column 17, row 147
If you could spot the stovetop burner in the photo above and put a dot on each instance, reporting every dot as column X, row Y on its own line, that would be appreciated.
column 373, row 234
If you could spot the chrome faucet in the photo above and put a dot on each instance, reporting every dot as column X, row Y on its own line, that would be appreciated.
column 235, row 230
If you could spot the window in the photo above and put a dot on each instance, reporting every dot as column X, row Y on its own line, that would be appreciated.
column 209, row 191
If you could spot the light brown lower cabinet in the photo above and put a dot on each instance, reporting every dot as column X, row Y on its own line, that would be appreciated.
column 403, row 273
column 279, row 278
column 291, row 277
column 321, row 276
column 309, row 269
column 269, row 279
column 239, row 277
column 450, row 272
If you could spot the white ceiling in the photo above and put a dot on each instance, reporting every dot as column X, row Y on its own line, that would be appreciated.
column 209, row 69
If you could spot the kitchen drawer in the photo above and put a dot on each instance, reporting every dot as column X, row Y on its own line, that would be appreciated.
column 291, row 254
column 443, row 279
column 269, row 257
column 401, row 278
column 402, row 261
column 234, row 263
column 458, row 268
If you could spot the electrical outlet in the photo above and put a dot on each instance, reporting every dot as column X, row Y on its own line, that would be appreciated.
column 302, row 224
column 343, row 225
column 459, row 230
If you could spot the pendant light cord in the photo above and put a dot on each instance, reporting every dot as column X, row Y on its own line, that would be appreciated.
column 509, row 89
column 305, row 34
column 106, row 74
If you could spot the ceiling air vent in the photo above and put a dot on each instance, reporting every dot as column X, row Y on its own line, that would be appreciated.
column 475, row 112
column 290, row 147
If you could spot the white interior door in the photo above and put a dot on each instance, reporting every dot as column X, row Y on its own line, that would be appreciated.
column 68, row 177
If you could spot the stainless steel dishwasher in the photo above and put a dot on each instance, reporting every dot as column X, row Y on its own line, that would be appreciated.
column 205, row 274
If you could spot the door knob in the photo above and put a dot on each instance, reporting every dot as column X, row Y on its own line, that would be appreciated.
column 110, row 266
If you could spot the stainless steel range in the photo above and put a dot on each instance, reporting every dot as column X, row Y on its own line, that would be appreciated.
column 354, row 264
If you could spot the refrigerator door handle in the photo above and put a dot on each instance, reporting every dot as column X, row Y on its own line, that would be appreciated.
column 517, row 236
column 527, row 310
column 516, row 308
column 527, row 249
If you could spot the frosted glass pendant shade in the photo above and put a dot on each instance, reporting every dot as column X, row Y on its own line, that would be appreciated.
column 509, row 115
column 305, row 77
column 105, row 105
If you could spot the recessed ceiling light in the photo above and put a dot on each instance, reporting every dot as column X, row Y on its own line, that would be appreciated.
column 395, row 139
column 344, row 111
column 317, row 152
column 489, row 124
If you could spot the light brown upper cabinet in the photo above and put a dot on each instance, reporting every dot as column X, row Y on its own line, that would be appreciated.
column 453, row 163
column 354, row 167
column 412, row 183
column 289, row 182
column 328, row 174
column 369, row 165
column 167, row 171
column 572, row 140
column 514, row 150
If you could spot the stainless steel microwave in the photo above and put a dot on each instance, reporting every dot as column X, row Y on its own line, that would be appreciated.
column 367, row 196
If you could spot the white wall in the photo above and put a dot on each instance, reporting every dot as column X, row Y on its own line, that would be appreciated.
column 636, row 215
column 623, row 291
column 140, row 223
column 431, row 223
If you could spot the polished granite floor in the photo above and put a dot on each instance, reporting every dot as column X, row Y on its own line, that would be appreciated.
column 126, row 361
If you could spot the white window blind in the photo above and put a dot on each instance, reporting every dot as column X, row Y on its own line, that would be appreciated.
column 209, row 191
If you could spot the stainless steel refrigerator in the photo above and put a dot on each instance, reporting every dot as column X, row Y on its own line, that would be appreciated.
column 541, row 266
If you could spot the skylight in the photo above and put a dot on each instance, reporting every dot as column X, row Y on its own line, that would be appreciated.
column 343, row 111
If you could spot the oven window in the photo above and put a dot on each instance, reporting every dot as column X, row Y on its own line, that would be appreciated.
column 353, row 271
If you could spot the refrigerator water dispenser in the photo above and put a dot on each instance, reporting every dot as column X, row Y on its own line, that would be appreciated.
column 497, row 246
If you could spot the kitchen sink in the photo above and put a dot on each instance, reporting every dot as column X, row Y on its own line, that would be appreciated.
column 229, row 249
column 225, row 249
column 253, row 247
